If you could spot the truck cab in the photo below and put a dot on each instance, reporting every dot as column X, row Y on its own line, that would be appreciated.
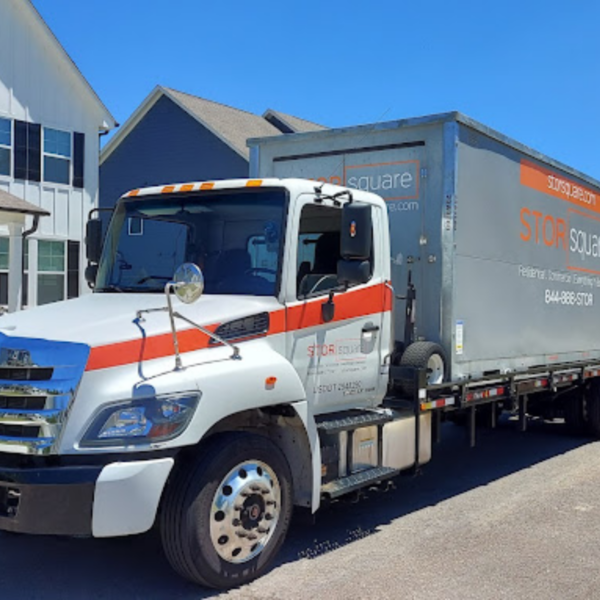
column 228, row 365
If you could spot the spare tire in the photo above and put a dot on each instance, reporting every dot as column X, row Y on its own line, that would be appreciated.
column 424, row 355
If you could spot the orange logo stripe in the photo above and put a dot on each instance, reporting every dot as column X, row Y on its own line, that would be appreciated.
column 349, row 305
column 548, row 182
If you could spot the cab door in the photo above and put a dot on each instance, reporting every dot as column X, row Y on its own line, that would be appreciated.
column 334, row 337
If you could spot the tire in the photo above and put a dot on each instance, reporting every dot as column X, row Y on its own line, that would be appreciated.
column 424, row 355
column 239, row 484
column 592, row 409
column 573, row 413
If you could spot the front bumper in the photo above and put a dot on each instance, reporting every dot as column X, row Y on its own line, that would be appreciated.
column 52, row 500
column 115, row 499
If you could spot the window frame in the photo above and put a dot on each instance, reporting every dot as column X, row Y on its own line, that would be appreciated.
column 69, row 158
column 41, row 273
column 297, row 297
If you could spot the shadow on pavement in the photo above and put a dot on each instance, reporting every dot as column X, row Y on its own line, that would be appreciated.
column 52, row 568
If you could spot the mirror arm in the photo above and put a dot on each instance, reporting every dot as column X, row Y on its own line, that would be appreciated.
column 236, row 350
column 168, row 286
column 172, row 315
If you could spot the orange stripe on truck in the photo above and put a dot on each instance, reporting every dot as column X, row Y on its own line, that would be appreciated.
column 349, row 305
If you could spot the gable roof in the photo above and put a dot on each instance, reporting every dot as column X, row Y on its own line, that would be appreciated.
column 109, row 120
column 231, row 125
column 294, row 124
column 10, row 203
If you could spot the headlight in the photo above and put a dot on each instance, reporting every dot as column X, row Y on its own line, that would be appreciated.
column 142, row 421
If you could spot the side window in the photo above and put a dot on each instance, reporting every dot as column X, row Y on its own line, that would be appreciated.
column 318, row 250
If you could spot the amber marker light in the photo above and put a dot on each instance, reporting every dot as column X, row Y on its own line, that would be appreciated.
column 254, row 183
column 270, row 382
column 209, row 185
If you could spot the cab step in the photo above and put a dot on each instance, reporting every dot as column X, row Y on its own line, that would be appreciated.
column 352, row 419
column 356, row 481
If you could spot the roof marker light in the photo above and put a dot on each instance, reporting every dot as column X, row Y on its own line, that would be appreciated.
column 168, row 189
column 188, row 187
column 254, row 183
column 209, row 185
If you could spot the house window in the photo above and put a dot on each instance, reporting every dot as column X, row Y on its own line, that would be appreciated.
column 51, row 271
column 5, row 145
column 57, row 156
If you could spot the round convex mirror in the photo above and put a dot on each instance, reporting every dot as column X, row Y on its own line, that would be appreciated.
column 189, row 282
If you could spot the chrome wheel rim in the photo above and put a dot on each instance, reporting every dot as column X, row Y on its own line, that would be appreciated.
column 435, row 369
column 245, row 511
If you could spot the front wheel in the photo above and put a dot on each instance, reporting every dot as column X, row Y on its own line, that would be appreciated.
column 226, row 515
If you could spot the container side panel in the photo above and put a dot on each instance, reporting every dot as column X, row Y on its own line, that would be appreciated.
column 527, row 266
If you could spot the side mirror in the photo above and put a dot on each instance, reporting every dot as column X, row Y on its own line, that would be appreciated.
column 357, row 227
column 353, row 272
column 93, row 240
column 188, row 283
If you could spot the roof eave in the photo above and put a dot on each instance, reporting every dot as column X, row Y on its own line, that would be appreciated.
column 109, row 122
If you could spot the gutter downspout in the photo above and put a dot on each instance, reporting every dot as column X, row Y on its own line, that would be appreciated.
column 24, row 236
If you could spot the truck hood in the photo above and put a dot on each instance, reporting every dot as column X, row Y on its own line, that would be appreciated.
column 102, row 319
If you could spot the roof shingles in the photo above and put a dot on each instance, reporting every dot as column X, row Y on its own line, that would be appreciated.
column 10, row 203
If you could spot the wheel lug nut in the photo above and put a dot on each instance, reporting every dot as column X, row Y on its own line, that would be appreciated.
column 262, row 529
column 241, row 534
column 270, row 503
column 251, row 536
column 255, row 488
column 238, row 507
column 236, row 522
column 268, row 517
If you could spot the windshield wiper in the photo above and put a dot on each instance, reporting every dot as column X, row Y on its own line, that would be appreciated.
column 111, row 287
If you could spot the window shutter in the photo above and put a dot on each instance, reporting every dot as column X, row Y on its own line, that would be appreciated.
column 78, row 159
column 20, row 156
column 72, row 269
column 34, row 152
column 28, row 151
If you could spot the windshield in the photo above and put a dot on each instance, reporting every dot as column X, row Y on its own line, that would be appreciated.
column 234, row 237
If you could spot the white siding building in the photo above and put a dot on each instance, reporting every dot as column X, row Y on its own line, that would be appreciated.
column 50, row 119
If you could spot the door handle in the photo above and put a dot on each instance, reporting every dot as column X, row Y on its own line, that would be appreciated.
column 370, row 328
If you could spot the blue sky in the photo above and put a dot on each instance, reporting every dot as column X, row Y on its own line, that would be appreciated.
column 530, row 69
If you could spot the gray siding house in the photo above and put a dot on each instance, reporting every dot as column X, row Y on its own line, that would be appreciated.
column 174, row 137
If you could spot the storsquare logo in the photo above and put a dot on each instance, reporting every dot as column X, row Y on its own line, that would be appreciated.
column 392, row 180
column 576, row 233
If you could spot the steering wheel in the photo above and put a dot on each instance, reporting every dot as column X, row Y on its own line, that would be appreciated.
column 318, row 283
column 148, row 277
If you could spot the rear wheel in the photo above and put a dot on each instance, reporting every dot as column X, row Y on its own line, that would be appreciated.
column 225, row 517
column 424, row 355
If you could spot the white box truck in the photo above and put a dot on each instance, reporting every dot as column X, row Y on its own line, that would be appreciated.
column 255, row 345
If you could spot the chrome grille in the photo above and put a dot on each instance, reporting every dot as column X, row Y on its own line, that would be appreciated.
column 27, row 402
column 38, row 381
column 26, row 373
